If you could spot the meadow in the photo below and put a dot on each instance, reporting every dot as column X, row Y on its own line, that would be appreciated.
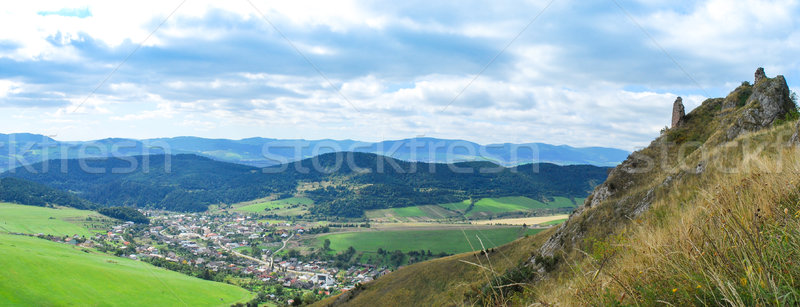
column 483, row 208
column 58, row 222
column 450, row 241
column 281, row 207
column 489, row 206
column 38, row 272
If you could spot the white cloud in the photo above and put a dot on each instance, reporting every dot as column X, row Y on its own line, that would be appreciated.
column 610, row 86
column 9, row 87
column 763, row 32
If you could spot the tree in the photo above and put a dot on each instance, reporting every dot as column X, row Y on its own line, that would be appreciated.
column 397, row 257
column 256, row 251
column 309, row 298
column 326, row 245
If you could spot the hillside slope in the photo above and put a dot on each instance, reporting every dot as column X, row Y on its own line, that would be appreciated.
column 37, row 272
column 450, row 281
column 708, row 214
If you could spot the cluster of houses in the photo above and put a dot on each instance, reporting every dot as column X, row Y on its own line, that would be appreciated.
column 209, row 241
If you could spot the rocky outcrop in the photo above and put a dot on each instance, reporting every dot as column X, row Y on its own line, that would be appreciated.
column 770, row 101
column 631, row 187
column 760, row 75
column 678, row 112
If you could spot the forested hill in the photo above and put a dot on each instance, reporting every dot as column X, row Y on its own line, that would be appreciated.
column 19, row 191
column 372, row 181
column 353, row 182
column 179, row 182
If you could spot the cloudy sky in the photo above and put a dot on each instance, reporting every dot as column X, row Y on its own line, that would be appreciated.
column 582, row 73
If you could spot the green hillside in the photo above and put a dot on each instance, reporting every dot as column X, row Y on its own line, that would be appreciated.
column 57, row 222
column 37, row 272
column 281, row 207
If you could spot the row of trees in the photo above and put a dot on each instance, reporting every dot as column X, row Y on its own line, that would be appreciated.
column 125, row 214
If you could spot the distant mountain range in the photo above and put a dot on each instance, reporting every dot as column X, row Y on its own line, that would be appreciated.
column 21, row 149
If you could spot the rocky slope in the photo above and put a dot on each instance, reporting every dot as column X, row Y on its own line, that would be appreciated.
column 631, row 186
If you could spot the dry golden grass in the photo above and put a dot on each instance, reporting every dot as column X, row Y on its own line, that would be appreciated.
column 728, row 236
column 534, row 220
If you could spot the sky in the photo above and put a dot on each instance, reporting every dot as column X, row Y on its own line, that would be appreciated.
column 580, row 73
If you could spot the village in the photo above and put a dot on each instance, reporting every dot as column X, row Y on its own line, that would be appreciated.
column 232, row 248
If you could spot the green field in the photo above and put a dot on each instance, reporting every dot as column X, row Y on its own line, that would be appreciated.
column 459, row 206
column 59, row 222
column 484, row 207
column 447, row 240
column 279, row 207
column 561, row 202
column 38, row 272
column 505, row 204
column 554, row 222
column 409, row 211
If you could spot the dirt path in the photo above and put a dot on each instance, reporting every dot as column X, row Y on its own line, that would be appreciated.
column 271, row 261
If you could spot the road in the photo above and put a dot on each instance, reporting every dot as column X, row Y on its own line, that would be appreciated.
column 244, row 256
column 276, row 251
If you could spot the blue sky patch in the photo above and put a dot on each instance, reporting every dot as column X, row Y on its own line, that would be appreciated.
column 69, row 12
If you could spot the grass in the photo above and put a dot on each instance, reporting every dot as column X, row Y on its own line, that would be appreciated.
column 554, row 222
column 37, row 272
column 484, row 207
column 59, row 222
column 730, row 234
column 437, row 212
column 459, row 206
column 279, row 207
column 488, row 206
column 561, row 202
column 405, row 214
column 446, row 240
column 409, row 212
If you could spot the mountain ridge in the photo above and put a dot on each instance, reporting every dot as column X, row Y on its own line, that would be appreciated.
column 263, row 152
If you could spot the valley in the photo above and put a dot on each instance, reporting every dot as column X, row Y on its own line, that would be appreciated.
column 276, row 247
column 319, row 231
column 399, row 153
